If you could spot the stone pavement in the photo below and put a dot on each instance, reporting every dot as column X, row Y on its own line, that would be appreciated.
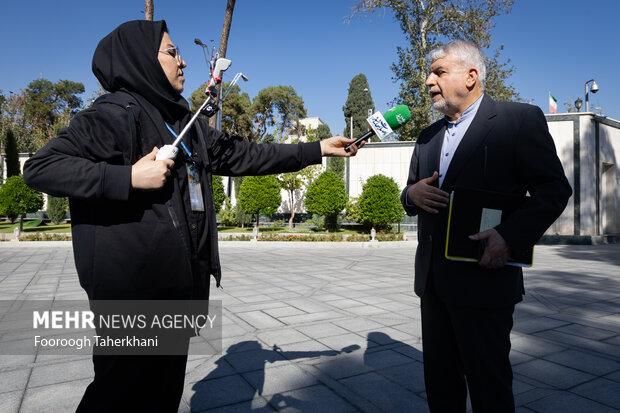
column 314, row 300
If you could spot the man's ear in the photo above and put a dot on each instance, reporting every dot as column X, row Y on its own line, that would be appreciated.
column 472, row 77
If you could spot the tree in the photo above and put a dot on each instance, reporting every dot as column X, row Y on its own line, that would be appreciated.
column 219, row 195
column 268, row 138
column 298, row 129
column 149, row 10
column 323, row 132
column 14, row 117
column 262, row 111
column 17, row 198
column 12, row 155
column 230, row 8
column 236, row 110
column 379, row 204
column 290, row 106
column 357, row 105
column 57, row 209
column 293, row 181
column 260, row 195
column 498, row 73
column 334, row 164
column 327, row 196
column 236, row 114
column 49, row 106
column 47, row 99
column 282, row 100
column 426, row 23
column 227, row 215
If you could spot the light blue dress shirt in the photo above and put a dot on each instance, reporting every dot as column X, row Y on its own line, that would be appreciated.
column 453, row 136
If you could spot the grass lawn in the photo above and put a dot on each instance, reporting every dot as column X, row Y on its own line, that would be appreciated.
column 34, row 226
column 286, row 230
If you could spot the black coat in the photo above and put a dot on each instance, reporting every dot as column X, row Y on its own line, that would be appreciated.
column 140, row 244
column 507, row 149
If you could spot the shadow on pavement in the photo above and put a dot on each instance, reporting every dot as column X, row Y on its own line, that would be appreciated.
column 387, row 376
column 608, row 253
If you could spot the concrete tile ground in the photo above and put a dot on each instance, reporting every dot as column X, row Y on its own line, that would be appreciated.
column 346, row 326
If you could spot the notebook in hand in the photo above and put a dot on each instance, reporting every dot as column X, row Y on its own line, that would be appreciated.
column 472, row 211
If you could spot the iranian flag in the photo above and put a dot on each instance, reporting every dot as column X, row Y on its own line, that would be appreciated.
column 553, row 104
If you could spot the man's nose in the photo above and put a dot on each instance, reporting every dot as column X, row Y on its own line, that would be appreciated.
column 430, row 80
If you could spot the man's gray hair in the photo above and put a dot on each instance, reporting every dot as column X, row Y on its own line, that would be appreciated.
column 468, row 53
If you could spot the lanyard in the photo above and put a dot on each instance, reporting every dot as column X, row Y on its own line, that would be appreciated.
column 182, row 143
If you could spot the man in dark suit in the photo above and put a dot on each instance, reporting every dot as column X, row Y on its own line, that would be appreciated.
column 467, row 307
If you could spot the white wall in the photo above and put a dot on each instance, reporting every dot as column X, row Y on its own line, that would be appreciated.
column 562, row 133
column 388, row 158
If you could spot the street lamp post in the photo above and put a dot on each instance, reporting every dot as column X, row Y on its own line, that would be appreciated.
column 593, row 88
column 578, row 104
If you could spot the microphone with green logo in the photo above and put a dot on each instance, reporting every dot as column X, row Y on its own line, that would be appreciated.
column 384, row 125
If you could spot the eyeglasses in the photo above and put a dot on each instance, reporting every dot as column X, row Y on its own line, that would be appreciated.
column 175, row 52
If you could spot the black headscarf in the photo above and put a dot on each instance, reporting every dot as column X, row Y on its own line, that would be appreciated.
column 126, row 59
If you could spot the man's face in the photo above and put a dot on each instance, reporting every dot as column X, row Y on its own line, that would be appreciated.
column 171, row 62
column 448, row 84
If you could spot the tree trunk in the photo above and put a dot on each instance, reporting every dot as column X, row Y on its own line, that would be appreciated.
column 230, row 6
column 148, row 10
column 21, row 223
column 290, row 221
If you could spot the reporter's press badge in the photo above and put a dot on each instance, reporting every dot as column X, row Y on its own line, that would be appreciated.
column 195, row 190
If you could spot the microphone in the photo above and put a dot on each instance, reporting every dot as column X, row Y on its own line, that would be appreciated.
column 384, row 125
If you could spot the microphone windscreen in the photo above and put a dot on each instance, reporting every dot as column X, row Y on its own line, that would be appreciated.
column 397, row 116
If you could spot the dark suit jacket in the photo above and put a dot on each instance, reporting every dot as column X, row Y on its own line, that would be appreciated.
column 508, row 149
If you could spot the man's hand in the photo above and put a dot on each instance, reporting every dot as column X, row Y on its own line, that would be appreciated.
column 428, row 197
column 496, row 252
column 334, row 146
column 149, row 174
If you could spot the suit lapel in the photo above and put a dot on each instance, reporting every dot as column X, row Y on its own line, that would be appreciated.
column 474, row 137
column 433, row 149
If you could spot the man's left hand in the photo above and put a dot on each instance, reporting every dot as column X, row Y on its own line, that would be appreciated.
column 334, row 146
column 496, row 252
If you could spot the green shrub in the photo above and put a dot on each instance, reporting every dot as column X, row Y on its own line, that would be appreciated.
column 17, row 198
column 227, row 214
column 316, row 220
column 379, row 204
column 352, row 211
column 260, row 195
column 57, row 209
column 327, row 196
column 242, row 217
column 219, row 195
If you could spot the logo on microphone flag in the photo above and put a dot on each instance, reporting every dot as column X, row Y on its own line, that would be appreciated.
column 553, row 104
column 379, row 125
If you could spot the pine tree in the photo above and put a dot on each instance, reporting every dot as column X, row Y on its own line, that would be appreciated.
column 57, row 209
column 12, row 156
column 358, row 104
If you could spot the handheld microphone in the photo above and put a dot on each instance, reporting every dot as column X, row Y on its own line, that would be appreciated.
column 384, row 125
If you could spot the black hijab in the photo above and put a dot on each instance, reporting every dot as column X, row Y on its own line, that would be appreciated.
column 126, row 59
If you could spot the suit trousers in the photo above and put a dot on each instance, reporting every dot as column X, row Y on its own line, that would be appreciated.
column 135, row 384
column 466, row 347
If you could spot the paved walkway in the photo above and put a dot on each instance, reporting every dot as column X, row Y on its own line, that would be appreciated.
column 314, row 300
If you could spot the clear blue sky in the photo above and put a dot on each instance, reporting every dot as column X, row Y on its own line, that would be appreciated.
column 555, row 45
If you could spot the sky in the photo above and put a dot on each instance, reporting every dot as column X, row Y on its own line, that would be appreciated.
column 554, row 45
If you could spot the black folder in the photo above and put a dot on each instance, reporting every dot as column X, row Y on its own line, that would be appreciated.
column 474, row 210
